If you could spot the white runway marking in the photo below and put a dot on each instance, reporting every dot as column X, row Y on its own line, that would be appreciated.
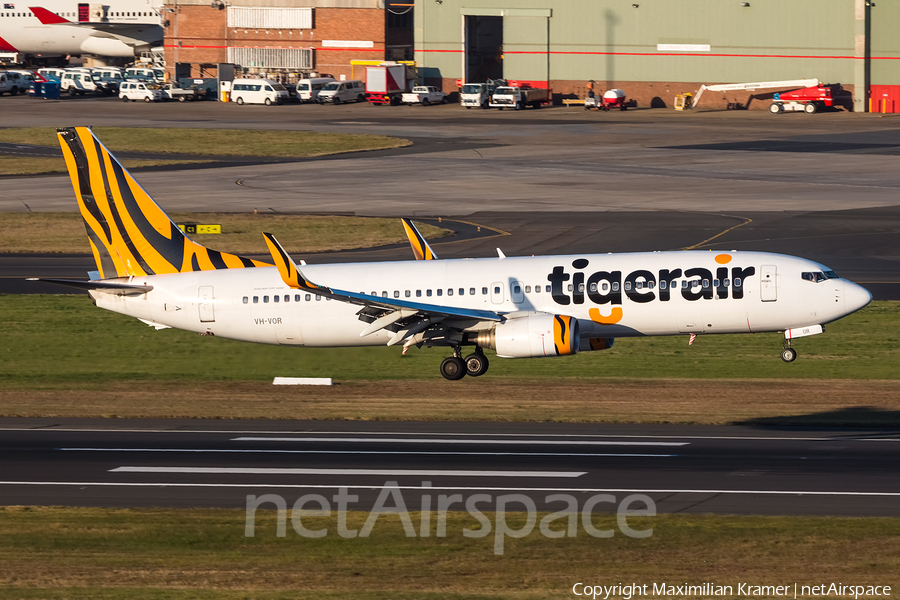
column 369, row 452
column 380, row 472
column 449, row 488
column 451, row 441
column 838, row 437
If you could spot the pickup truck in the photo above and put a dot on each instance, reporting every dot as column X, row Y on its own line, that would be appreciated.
column 170, row 91
column 425, row 95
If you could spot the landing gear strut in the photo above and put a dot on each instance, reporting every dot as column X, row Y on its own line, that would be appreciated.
column 788, row 354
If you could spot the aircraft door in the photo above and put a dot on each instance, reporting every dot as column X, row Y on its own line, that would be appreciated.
column 497, row 292
column 205, row 299
column 768, row 290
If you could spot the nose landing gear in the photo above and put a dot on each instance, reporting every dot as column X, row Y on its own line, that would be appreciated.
column 788, row 354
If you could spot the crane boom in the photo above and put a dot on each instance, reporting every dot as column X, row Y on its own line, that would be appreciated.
column 759, row 85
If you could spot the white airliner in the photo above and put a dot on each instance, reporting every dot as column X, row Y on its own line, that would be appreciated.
column 521, row 307
column 62, row 27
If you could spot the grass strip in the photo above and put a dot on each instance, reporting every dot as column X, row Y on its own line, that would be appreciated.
column 203, row 553
column 63, row 357
column 215, row 142
column 241, row 232
column 17, row 165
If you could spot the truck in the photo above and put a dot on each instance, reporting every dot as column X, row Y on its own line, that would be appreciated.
column 171, row 91
column 519, row 97
column 424, row 95
column 385, row 83
column 477, row 94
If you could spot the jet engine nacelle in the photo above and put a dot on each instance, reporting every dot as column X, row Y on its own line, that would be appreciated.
column 532, row 335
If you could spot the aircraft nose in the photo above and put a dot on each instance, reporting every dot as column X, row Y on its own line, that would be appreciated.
column 855, row 296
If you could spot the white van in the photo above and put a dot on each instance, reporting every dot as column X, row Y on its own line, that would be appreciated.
column 14, row 82
column 140, row 90
column 343, row 91
column 258, row 91
column 145, row 74
column 308, row 89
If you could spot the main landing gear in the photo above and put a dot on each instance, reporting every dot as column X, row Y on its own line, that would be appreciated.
column 788, row 354
column 455, row 367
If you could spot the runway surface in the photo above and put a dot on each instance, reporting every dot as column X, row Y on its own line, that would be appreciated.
column 690, row 469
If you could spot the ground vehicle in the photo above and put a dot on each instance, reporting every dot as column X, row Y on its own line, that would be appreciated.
column 759, row 85
column 171, row 91
column 385, row 83
column 342, row 91
column 139, row 90
column 519, row 97
column 258, row 91
column 79, row 82
column 54, row 73
column 8, row 59
column 477, row 94
column 308, row 89
column 810, row 99
column 425, row 95
column 610, row 99
column 13, row 82
column 145, row 73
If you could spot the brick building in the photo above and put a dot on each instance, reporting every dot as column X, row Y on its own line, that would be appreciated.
column 284, row 38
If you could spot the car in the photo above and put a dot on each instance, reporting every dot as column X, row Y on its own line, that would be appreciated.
column 139, row 90
column 425, row 95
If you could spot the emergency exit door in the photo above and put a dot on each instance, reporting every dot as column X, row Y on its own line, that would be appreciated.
column 768, row 283
column 205, row 302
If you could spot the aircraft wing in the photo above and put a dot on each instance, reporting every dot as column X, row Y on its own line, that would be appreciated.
column 421, row 249
column 406, row 318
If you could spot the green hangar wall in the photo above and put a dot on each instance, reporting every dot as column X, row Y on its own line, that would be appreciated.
column 654, row 49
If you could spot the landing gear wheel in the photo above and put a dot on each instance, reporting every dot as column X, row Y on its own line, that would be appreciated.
column 788, row 355
column 810, row 108
column 776, row 108
column 453, row 368
column 476, row 364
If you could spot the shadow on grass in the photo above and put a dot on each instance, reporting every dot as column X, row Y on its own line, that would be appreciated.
column 852, row 416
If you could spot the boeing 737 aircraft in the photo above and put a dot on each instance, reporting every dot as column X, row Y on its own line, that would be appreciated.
column 61, row 27
column 522, row 307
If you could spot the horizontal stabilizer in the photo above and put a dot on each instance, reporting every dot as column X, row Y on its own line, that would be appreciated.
column 96, row 285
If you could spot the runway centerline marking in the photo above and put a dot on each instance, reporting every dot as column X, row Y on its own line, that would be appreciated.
column 368, row 452
column 357, row 486
column 380, row 472
column 452, row 441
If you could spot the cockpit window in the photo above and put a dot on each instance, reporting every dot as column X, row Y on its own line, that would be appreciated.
column 818, row 276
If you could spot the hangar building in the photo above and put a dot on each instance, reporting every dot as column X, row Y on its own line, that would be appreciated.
column 654, row 49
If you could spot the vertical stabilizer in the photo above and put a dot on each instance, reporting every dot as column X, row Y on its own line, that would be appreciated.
column 128, row 232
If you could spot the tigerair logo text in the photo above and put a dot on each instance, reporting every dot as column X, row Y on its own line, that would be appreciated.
column 642, row 286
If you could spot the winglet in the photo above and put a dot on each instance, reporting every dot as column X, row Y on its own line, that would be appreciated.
column 47, row 17
column 288, row 270
column 421, row 249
